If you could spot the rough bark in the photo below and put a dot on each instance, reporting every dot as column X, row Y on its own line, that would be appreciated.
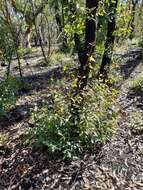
column 78, row 48
column 109, row 44
column 84, row 69
column 89, row 46
column 132, row 25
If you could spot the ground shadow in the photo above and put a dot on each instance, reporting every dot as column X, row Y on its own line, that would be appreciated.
column 138, row 94
column 41, row 80
column 15, row 115
column 22, row 112
column 132, row 53
column 129, row 67
column 38, row 82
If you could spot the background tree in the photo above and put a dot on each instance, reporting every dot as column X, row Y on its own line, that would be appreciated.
column 110, row 38
column 29, row 16
column 132, row 24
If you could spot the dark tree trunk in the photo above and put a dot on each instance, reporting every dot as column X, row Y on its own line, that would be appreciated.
column 84, row 69
column 78, row 46
column 60, row 22
column 132, row 25
column 109, row 44
column 72, row 17
column 19, row 64
column 89, row 47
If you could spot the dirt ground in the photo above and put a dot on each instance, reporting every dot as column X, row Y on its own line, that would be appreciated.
column 118, row 166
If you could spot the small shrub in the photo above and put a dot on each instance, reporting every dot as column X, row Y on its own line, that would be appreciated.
column 57, row 58
column 8, row 92
column 98, row 116
column 3, row 140
column 137, row 84
column 136, row 121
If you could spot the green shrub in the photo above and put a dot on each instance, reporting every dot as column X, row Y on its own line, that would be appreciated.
column 7, row 44
column 57, row 58
column 140, row 44
column 137, row 84
column 8, row 91
column 3, row 139
column 136, row 121
column 98, row 116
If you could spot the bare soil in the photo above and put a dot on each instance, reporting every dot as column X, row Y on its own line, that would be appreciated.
column 119, row 164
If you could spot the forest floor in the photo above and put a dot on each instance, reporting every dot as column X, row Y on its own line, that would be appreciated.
column 118, row 166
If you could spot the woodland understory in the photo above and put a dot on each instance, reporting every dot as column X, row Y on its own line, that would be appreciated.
column 71, row 95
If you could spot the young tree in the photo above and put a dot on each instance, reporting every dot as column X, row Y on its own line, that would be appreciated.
column 29, row 16
column 13, row 33
column 109, row 44
column 132, row 24
column 38, row 32
column 84, row 69
column 90, row 37
column 58, row 7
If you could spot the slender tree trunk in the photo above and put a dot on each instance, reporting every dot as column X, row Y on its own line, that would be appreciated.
column 78, row 46
column 49, row 38
column 89, row 47
column 41, row 44
column 109, row 44
column 60, row 22
column 8, row 69
column 38, row 34
column 19, row 64
column 28, row 36
column 132, row 25
column 72, row 17
column 84, row 69
column 16, row 39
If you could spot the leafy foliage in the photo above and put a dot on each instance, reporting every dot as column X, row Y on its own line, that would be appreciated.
column 64, row 23
column 97, row 122
column 8, row 92
column 3, row 140
column 137, row 84
column 7, row 46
